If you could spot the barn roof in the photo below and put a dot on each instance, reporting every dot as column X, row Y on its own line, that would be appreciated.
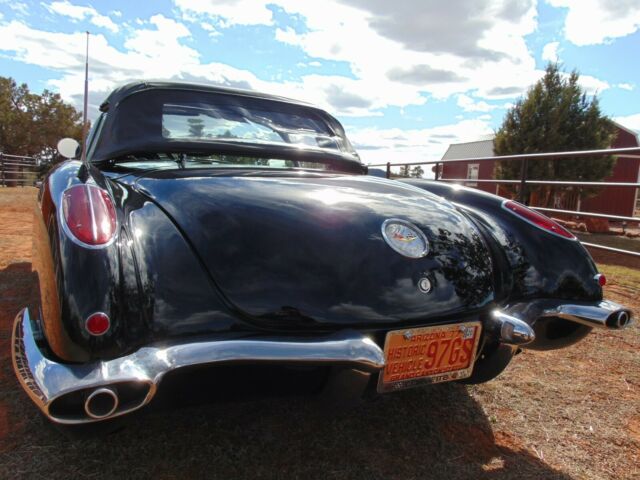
column 480, row 148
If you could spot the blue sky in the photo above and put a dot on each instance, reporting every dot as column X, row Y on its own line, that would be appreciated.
column 406, row 78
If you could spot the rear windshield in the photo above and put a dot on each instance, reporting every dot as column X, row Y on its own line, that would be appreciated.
column 201, row 121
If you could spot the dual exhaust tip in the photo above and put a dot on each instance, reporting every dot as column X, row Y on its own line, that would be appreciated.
column 101, row 403
column 618, row 320
column 605, row 314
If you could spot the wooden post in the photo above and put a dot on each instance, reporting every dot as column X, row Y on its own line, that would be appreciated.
column 2, row 169
column 437, row 171
column 388, row 169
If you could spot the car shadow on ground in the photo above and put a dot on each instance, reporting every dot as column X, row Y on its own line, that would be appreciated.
column 439, row 431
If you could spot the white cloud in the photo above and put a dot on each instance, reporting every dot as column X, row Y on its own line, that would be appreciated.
column 397, row 146
column 210, row 29
column 550, row 51
column 386, row 45
column 163, row 42
column 229, row 12
column 593, row 85
column 20, row 8
column 630, row 121
column 626, row 86
column 77, row 12
column 156, row 51
column 591, row 22
column 468, row 104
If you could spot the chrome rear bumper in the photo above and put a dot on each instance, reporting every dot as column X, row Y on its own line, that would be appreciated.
column 84, row 393
column 60, row 390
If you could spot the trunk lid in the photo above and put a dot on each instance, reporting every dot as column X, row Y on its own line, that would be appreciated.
column 303, row 250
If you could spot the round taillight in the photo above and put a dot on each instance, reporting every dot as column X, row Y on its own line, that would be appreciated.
column 601, row 279
column 98, row 324
column 88, row 215
column 537, row 219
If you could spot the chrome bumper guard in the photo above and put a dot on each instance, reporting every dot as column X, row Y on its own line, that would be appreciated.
column 61, row 390
column 84, row 393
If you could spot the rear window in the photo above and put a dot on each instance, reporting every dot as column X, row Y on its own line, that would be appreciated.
column 236, row 123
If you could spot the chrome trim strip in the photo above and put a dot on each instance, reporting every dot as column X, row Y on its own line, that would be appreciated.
column 506, row 209
column 94, row 226
column 45, row 380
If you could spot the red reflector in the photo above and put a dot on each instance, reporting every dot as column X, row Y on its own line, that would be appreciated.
column 89, row 214
column 602, row 280
column 98, row 324
column 537, row 219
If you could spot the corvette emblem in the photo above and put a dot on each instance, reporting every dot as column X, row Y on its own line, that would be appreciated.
column 405, row 238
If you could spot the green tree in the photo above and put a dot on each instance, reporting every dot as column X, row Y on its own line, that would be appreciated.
column 404, row 171
column 417, row 171
column 32, row 124
column 555, row 115
column 196, row 127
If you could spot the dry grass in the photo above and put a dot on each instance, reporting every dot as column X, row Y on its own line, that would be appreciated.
column 573, row 413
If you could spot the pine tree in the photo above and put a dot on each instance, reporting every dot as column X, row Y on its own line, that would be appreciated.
column 555, row 115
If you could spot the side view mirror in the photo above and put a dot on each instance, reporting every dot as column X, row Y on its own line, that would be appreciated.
column 68, row 147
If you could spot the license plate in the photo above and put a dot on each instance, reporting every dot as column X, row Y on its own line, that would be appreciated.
column 429, row 355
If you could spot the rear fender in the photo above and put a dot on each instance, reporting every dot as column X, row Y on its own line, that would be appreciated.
column 148, row 281
column 538, row 264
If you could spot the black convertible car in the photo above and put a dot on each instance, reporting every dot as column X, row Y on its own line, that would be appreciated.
column 211, row 226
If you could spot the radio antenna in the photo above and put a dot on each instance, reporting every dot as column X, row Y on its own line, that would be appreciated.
column 85, row 123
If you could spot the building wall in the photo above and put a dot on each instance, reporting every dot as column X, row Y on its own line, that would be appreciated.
column 486, row 172
column 611, row 200
column 618, row 200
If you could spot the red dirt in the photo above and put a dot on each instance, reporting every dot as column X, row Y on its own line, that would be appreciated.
column 571, row 413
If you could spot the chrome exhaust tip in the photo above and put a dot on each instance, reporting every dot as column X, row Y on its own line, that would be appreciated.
column 619, row 320
column 605, row 314
column 101, row 403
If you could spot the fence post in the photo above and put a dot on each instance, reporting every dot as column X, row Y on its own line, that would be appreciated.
column 437, row 171
column 388, row 169
column 2, row 169
column 523, row 181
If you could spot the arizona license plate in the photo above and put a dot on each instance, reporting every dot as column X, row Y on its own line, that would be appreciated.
column 429, row 355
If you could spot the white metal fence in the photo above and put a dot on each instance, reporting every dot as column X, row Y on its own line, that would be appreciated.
column 17, row 170
column 523, row 181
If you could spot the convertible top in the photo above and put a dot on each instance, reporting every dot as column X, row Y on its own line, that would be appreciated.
column 158, row 117
column 134, row 87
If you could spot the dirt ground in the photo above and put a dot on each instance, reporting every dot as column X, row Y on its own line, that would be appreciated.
column 572, row 413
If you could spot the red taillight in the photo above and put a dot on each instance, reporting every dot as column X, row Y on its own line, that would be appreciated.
column 98, row 324
column 537, row 219
column 89, row 214
column 601, row 279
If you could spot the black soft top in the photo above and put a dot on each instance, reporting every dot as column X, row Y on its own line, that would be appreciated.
column 135, row 116
column 124, row 91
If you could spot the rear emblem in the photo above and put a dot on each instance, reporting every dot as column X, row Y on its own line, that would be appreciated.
column 405, row 238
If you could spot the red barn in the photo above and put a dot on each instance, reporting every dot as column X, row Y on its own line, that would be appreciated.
column 611, row 200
